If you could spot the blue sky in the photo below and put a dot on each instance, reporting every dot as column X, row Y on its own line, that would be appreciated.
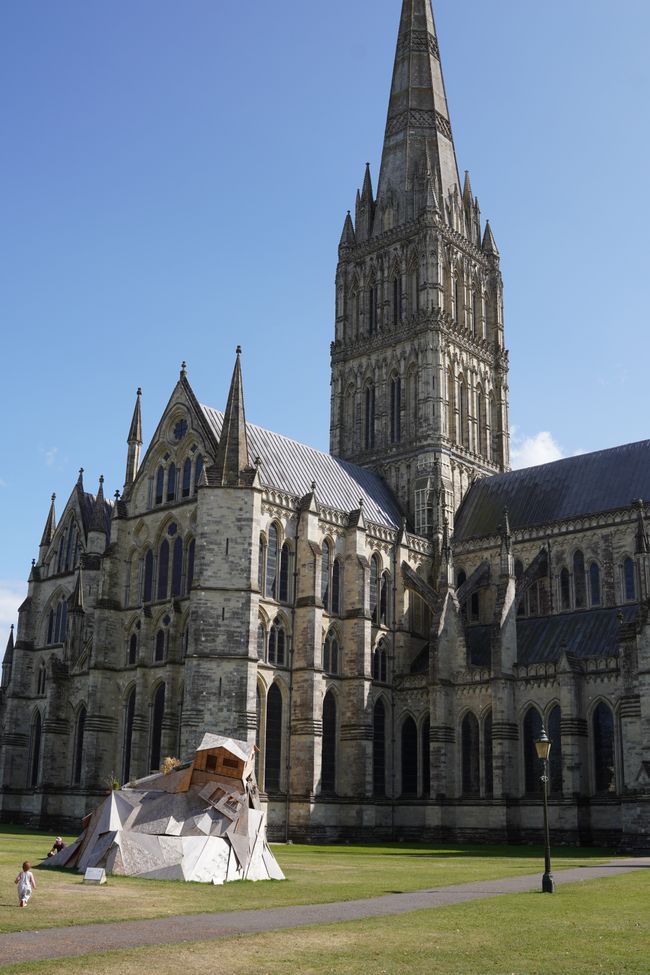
column 174, row 178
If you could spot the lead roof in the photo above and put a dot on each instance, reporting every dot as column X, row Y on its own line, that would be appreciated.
column 588, row 484
column 291, row 467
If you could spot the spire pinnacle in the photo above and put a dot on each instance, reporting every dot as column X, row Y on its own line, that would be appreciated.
column 50, row 524
column 348, row 238
column 76, row 601
column 467, row 190
column 135, row 430
column 183, row 373
column 98, row 518
column 418, row 117
column 489, row 244
column 642, row 542
column 232, row 453
column 80, row 479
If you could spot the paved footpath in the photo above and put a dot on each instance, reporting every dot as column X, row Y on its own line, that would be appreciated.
column 88, row 939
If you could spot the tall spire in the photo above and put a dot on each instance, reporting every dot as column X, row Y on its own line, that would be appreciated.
column 7, row 663
column 134, row 440
column 418, row 116
column 50, row 524
column 232, row 453
column 98, row 518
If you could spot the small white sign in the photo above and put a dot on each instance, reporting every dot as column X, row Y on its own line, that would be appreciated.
column 95, row 875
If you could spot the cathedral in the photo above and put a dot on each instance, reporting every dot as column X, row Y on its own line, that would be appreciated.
column 393, row 622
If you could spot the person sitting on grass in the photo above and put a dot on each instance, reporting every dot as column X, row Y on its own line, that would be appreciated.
column 57, row 846
column 26, row 884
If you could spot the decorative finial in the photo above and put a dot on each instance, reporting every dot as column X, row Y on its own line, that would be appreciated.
column 33, row 563
column 183, row 369
column 54, row 497
column 139, row 392
column 238, row 350
column 101, row 479
column 11, row 627
column 313, row 485
column 361, row 502
column 258, row 461
column 117, row 496
column 81, row 472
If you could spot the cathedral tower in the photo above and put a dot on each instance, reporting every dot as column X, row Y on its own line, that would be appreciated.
column 419, row 368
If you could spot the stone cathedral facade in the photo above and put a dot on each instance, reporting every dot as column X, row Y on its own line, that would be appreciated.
column 392, row 622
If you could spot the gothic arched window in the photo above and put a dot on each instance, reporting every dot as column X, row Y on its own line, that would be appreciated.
column 325, row 575
column 273, row 749
column 426, row 758
column 261, row 641
column 379, row 662
column 369, row 417
column 277, row 643
column 186, row 486
column 336, row 587
column 579, row 587
column 191, row 548
column 488, row 774
column 284, row 586
column 198, row 470
column 177, row 566
column 160, row 646
column 384, row 599
column 395, row 409
column 374, row 589
column 80, row 729
column 328, row 773
column 594, row 584
column 160, row 485
column 272, row 562
column 451, row 405
column 379, row 749
column 133, row 650
column 163, row 570
column 41, row 679
column 157, row 715
column 409, row 758
column 629, row 582
column 129, row 716
column 397, row 298
column 555, row 755
column 470, row 755
column 372, row 309
column 171, row 482
column 331, row 661
column 603, row 748
column 35, row 749
column 532, row 765
column 147, row 588
column 565, row 589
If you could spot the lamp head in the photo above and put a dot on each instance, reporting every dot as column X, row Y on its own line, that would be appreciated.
column 543, row 745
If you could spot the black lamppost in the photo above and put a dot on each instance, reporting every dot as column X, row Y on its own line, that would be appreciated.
column 543, row 747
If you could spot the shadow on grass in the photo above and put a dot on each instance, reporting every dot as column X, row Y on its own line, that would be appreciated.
column 456, row 852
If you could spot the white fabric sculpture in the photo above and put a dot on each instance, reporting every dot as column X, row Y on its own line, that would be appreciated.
column 202, row 821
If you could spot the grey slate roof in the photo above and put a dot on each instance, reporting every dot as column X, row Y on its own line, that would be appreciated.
column 583, row 485
column 290, row 467
column 586, row 633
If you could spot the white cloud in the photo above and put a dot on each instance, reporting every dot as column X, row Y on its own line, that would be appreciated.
column 50, row 455
column 541, row 448
column 11, row 596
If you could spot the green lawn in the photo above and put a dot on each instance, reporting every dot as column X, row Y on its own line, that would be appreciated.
column 598, row 926
column 315, row 874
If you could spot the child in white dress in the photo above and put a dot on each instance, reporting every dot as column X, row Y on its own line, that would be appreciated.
column 26, row 884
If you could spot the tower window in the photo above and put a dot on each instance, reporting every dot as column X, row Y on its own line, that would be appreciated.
column 397, row 299
column 396, row 410
column 369, row 418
